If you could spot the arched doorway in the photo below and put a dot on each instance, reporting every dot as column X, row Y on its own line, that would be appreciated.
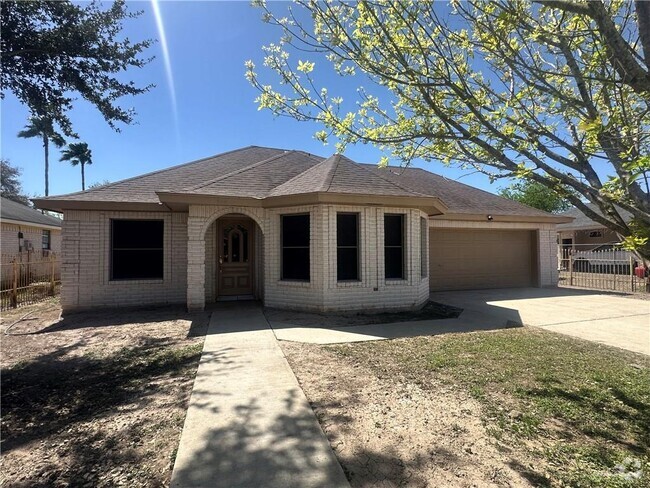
column 235, row 256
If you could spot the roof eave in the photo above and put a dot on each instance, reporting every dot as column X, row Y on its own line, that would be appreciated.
column 27, row 223
column 430, row 205
column 496, row 217
column 181, row 201
column 62, row 206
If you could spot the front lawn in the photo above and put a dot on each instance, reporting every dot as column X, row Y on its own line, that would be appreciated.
column 554, row 411
column 98, row 399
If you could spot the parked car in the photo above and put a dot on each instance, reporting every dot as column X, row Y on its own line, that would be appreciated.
column 606, row 258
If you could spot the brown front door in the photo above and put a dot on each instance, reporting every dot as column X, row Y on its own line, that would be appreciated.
column 235, row 270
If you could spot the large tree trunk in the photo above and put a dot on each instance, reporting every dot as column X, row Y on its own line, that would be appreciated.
column 83, row 178
column 47, row 164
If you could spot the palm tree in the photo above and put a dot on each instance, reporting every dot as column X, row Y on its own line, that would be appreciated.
column 78, row 154
column 44, row 128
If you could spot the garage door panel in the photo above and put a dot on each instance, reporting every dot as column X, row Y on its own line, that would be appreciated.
column 475, row 259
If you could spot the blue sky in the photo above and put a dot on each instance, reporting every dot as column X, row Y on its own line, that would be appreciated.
column 208, row 45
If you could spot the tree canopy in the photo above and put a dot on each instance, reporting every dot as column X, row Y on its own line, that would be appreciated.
column 52, row 51
column 535, row 195
column 553, row 92
column 10, row 186
column 79, row 154
column 43, row 128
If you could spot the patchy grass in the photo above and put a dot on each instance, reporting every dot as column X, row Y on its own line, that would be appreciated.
column 97, row 399
column 581, row 409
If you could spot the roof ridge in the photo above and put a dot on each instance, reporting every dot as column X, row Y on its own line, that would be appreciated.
column 318, row 163
column 237, row 171
column 389, row 181
column 54, row 197
column 332, row 170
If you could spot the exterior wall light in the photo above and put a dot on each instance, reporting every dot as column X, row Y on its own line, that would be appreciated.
column 490, row 218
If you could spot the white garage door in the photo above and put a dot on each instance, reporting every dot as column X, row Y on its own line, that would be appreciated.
column 462, row 259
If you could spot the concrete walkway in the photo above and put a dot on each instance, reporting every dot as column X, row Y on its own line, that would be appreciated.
column 607, row 319
column 599, row 317
column 248, row 423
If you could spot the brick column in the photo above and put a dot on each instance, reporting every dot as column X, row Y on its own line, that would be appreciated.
column 69, row 262
column 547, row 258
column 195, row 264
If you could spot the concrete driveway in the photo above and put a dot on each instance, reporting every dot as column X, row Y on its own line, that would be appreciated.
column 604, row 318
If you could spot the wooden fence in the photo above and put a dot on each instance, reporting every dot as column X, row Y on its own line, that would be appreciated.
column 28, row 277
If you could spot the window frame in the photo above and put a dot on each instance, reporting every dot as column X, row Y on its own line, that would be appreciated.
column 111, row 250
column 403, row 275
column 357, row 247
column 283, row 247
column 48, row 233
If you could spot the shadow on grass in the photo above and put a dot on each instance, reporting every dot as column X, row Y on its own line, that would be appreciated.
column 601, row 415
column 52, row 394
column 121, row 316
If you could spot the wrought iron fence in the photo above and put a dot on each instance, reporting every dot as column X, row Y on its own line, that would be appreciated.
column 603, row 267
column 28, row 277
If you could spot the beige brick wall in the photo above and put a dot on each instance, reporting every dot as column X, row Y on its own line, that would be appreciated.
column 86, row 262
column 9, row 238
column 322, row 292
column 190, row 259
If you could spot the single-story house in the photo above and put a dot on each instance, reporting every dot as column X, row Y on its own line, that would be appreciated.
column 27, row 229
column 582, row 233
column 296, row 231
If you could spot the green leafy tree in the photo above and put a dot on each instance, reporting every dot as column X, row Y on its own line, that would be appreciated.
column 535, row 195
column 43, row 128
column 99, row 184
column 553, row 92
column 78, row 154
column 53, row 51
column 10, row 186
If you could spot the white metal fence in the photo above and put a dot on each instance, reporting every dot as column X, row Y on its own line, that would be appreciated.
column 604, row 267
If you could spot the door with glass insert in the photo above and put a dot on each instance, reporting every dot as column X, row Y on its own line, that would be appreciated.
column 234, row 258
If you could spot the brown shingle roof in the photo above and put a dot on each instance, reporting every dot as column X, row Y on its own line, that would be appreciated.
column 338, row 174
column 459, row 198
column 142, row 189
column 258, row 180
column 583, row 222
column 261, row 172
column 10, row 210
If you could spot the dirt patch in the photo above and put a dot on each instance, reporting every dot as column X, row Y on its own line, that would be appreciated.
column 95, row 399
column 388, row 431
column 430, row 311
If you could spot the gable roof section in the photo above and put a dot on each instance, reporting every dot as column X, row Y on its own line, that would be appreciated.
column 459, row 197
column 338, row 174
column 142, row 189
column 278, row 176
column 259, row 179
column 17, row 212
column 582, row 222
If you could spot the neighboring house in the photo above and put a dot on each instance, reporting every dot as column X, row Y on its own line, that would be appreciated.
column 27, row 229
column 296, row 231
column 583, row 234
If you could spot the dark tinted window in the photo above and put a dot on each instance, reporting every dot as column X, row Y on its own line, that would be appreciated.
column 394, row 246
column 347, row 246
column 46, row 240
column 137, row 249
column 295, row 247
